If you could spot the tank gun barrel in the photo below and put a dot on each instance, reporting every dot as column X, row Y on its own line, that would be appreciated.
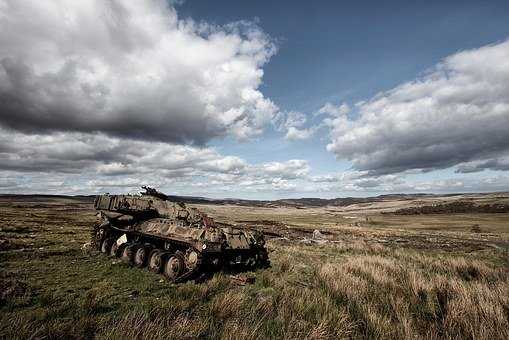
column 153, row 192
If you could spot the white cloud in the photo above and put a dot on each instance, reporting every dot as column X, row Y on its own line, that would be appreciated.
column 227, row 164
column 129, row 68
column 285, row 120
column 86, row 163
column 497, row 164
column 97, row 153
column 334, row 110
column 457, row 113
column 115, row 168
column 357, row 181
column 362, row 182
column 292, row 123
column 117, row 182
column 294, row 133
column 291, row 169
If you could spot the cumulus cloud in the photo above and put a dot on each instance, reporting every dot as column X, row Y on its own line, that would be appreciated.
column 294, row 133
column 130, row 69
column 497, row 164
column 457, row 113
column 287, row 170
column 292, row 123
column 285, row 120
column 78, row 152
column 117, row 182
column 362, row 182
column 98, row 162
column 345, row 176
column 334, row 110
column 358, row 181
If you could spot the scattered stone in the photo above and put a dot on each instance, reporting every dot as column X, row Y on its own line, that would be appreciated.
column 317, row 235
column 86, row 248
column 242, row 280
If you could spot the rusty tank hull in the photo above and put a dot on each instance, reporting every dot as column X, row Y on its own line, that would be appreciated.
column 183, row 243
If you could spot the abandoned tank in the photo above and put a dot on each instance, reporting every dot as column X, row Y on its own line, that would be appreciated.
column 171, row 238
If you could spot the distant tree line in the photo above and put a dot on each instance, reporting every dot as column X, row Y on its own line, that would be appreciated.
column 454, row 208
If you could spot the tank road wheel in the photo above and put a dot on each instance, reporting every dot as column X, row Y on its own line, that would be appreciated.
column 174, row 267
column 155, row 261
column 128, row 254
column 251, row 261
column 140, row 257
column 106, row 245
column 98, row 237
column 263, row 258
column 216, row 264
column 115, row 251
column 192, row 259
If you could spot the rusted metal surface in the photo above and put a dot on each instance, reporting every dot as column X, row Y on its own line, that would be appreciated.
column 185, row 239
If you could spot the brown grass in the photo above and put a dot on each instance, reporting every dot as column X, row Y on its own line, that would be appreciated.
column 421, row 296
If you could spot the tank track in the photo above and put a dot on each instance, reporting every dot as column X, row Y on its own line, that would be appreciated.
column 176, row 273
column 177, row 265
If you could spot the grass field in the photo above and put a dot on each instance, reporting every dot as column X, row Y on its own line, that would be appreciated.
column 370, row 276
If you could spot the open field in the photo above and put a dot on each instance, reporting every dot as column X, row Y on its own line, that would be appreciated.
column 337, row 272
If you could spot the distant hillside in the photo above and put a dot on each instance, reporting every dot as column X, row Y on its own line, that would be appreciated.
column 290, row 202
column 345, row 201
column 46, row 198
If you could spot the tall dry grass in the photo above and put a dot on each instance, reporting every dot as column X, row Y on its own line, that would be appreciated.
column 346, row 290
column 421, row 296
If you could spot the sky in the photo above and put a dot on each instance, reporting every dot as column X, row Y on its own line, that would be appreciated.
column 257, row 100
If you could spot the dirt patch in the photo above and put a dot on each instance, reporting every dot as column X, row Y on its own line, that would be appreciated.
column 264, row 222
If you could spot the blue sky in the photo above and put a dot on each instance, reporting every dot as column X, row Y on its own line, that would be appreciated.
column 350, row 50
column 255, row 99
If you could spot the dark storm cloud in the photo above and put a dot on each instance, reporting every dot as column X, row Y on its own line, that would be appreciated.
column 78, row 152
column 501, row 164
column 456, row 114
column 129, row 69
column 107, row 159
